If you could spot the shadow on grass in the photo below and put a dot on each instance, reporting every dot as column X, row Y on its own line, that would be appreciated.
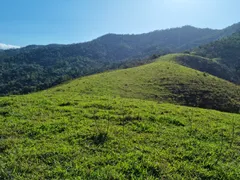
column 100, row 138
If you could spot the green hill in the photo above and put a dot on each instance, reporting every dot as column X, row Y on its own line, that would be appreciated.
column 65, row 135
column 35, row 67
column 164, row 80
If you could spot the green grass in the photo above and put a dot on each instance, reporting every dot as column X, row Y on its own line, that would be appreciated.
column 100, row 137
column 98, row 127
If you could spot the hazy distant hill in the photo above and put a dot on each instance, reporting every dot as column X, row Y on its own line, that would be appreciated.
column 36, row 67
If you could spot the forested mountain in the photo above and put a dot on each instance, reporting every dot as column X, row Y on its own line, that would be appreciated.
column 36, row 67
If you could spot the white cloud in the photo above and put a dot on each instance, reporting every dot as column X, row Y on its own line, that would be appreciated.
column 8, row 46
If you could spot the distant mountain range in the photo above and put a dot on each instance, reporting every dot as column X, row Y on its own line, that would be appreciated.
column 38, row 67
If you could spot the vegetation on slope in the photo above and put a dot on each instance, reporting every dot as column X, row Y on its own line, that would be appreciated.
column 35, row 67
column 164, row 80
column 208, row 65
column 20, row 76
column 226, row 52
column 65, row 135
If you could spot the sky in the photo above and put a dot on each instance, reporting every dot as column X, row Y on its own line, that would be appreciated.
column 25, row 22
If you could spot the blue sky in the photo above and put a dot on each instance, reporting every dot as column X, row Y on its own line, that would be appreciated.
column 24, row 22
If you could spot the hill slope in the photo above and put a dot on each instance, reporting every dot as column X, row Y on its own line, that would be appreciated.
column 164, row 80
column 208, row 65
column 38, row 67
column 226, row 52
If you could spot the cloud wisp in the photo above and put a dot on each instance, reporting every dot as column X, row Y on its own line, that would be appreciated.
column 8, row 46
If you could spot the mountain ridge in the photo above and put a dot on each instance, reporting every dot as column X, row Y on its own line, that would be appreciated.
column 35, row 68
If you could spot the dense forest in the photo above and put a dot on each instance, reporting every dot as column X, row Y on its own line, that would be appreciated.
column 34, row 67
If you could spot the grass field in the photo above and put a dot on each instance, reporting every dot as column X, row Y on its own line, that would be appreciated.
column 119, row 125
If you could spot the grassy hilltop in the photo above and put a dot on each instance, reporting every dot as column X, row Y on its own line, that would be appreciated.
column 121, row 125
column 164, row 80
